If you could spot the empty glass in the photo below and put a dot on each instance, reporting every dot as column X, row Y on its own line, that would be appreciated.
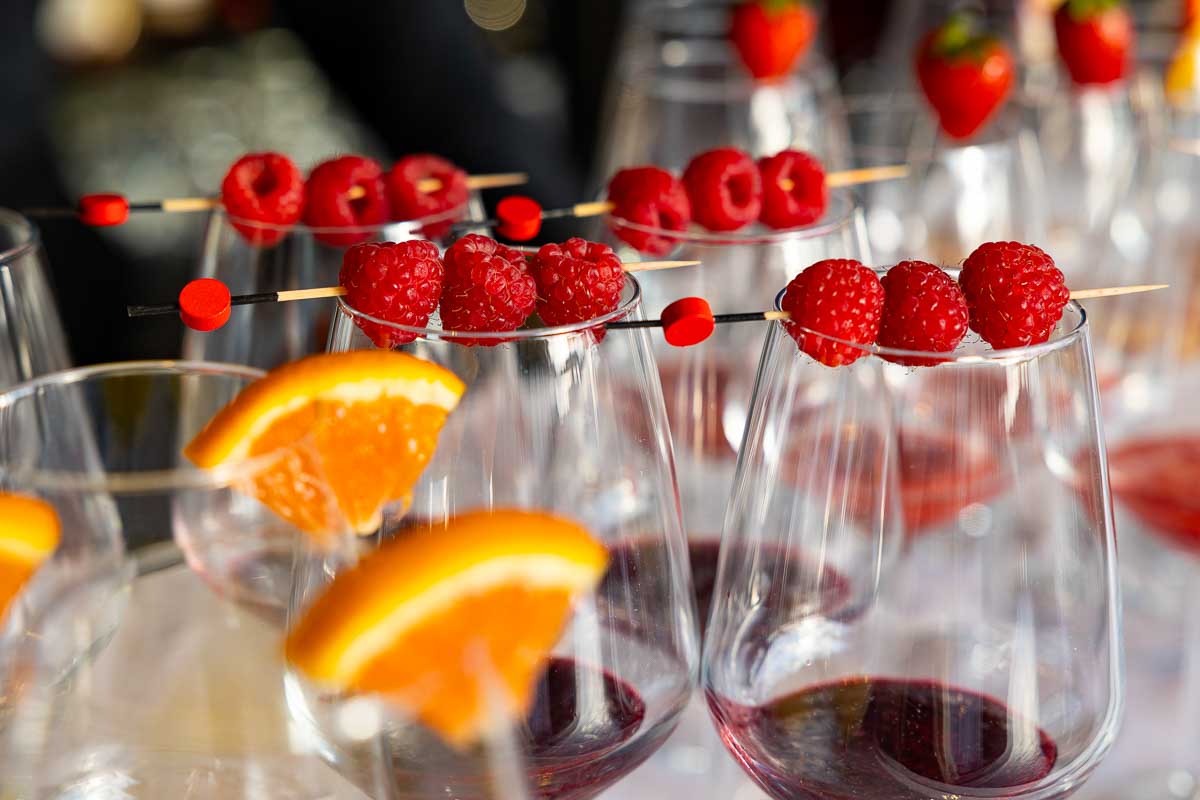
column 568, row 420
column 31, row 335
column 122, row 673
column 917, row 593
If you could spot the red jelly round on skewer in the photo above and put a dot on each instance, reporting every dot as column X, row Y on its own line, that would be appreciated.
column 204, row 304
column 103, row 210
column 687, row 321
column 518, row 218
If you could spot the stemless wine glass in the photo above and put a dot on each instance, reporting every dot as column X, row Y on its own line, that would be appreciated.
column 679, row 88
column 844, row 661
column 957, row 194
column 182, row 695
column 567, row 420
column 31, row 335
column 266, row 335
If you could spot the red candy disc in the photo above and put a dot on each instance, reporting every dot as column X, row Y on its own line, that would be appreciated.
column 687, row 321
column 204, row 304
column 102, row 210
column 519, row 218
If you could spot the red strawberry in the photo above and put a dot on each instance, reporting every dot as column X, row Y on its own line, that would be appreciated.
column 772, row 35
column 966, row 75
column 840, row 298
column 1095, row 39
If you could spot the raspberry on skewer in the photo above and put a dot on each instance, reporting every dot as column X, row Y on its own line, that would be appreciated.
column 725, row 189
column 577, row 281
column 330, row 204
column 653, row 198
column 263, row 188
column 1015, row 293
column 923, row 310
column 487, row 288
column 409, row 201
column 398, row 283
column 794, row 191
column 841, row 298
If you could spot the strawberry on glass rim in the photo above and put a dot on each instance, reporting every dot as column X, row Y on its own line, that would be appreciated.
column 965, row 73
column 772, row 35
column 1095, row 40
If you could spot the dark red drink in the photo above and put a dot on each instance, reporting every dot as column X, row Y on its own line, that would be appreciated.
column 874, row 738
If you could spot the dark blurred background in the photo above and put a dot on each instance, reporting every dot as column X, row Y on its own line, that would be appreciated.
column 156, row 98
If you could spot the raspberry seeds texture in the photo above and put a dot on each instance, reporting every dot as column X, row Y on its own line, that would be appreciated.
column 331, row 206
column 725, row 189
column 841, row 298
column 923, row 310
column 577, row 281
column 409, row 201
column 793, row 190
column 264, row 188
column 1015, row 293
column 399, row 283
column 488, row 287
column 653, row 198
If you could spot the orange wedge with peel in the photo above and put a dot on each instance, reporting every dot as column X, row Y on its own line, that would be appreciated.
column 353, row 431
column 29, row 534
column 450, row 622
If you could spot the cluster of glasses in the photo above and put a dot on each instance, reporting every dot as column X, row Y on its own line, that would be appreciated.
column 862, row 582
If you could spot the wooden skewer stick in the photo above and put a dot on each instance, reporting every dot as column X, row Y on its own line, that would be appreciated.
column 288, row 295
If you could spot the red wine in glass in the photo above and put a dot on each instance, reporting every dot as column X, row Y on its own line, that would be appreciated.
column 1155, row 479
column 870, row 738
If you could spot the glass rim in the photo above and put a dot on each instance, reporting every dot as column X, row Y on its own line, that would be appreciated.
column 626, row 307
column 832, row 222
column 458, row 213
column 1003, row 356
column 30, row 237
column 132, row 482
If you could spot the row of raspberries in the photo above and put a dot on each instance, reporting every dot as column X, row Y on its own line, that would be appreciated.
column 479, row 286
column 265, row 193
column 721, row 190
column 1011, row 294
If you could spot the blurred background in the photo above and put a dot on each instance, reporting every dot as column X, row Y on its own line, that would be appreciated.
column 156, row 98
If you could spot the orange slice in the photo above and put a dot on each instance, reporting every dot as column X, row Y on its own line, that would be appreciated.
column 453, row 623
column 356, row 430
column 1180, row 76
column 29, row 534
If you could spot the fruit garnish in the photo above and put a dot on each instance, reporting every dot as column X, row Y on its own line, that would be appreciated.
column 724, row 188
column 1095, row 40
column 440, row 618
column 488, row 287
column 329, row 204
column 265, row 188
column 398, row 283
column 793, row 189
column 923, row 310
column 1015, row 293
column 772, row 35
column 651, row 197
column 577, row 281
column 965, row 74
column 29, row 534
column 841, row 298
column 355, row 429
column 404, row 181
column 1182, row 89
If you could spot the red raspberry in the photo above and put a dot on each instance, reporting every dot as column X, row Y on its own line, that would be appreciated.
column 725, row 189
column 399, row 283
column 923, row 309
column 794, row 192
column 1015, row 293
column 408, row 201
column 577, row 281
column 841, row 298
column 266, row 188
column 488, row 287
column 329, row 204
column 651, row 197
